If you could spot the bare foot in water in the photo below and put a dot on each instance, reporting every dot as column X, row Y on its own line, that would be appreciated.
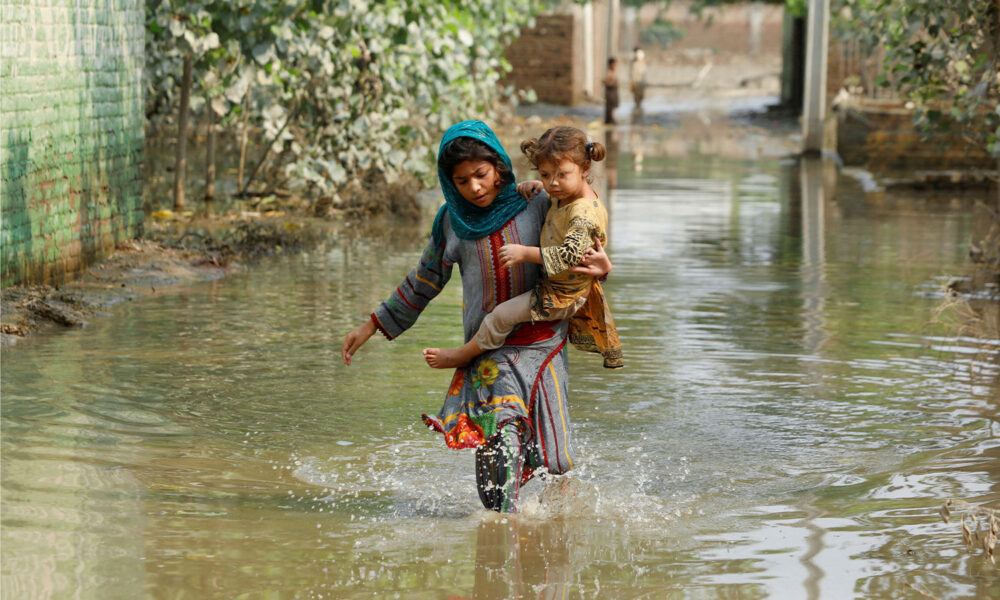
column 443, row 358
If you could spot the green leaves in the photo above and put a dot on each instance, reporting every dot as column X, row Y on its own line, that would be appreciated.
column 944, row 55
column 366, row 85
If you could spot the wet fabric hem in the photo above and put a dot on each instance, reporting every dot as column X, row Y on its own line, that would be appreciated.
column 434, row 424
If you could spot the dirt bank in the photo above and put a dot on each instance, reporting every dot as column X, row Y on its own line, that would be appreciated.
column 136, row 268
column 179, row 250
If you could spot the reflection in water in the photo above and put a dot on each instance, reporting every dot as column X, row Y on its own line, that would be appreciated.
column 787, row 426
column 814, row 545
column 519, row 558
column 611, row 142
column 813, row 252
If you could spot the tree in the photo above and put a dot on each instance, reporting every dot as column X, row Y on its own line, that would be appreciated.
column 340, row 91
column 940, row 54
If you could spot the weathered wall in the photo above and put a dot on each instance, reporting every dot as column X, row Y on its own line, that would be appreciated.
column 543, row 60
column 71, row 133
column 880, row 134
column 875, row 128
column 564, row 56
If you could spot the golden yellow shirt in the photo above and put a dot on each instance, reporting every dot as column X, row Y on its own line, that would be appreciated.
column 566, row 235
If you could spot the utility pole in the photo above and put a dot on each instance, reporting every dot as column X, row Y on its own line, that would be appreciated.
column 612, row 31
column 814, row 106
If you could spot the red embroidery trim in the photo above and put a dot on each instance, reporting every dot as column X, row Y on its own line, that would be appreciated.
column 529, row 333
column 408, row 303
column 497, row 282
column 552, row 424
column 545, row 363
column 501, row 276
column 378, row 326
column 534, row 389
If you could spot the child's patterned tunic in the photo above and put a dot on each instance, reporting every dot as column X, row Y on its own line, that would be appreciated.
column 567, row 234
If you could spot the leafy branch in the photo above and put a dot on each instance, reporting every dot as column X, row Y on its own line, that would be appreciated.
column 941, row 55
column 332, row 92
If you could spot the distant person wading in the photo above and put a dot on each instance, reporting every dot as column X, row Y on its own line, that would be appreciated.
column 638, row 76
column 611, row 92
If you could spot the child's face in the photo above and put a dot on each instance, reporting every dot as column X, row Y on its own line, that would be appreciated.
column 477, row 181
column 563, row 180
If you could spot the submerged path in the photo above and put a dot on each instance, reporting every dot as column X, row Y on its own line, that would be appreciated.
column 788, row 423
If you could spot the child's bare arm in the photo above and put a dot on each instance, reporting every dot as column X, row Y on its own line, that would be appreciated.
column 511, row 254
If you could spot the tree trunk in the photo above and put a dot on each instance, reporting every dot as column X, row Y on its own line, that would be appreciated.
column 243, row 138
column 210, row 156
column 181, row 165
column 267, row 151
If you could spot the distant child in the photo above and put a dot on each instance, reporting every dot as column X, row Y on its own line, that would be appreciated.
column 611, row 91
column 576, row 220
column 638, row 75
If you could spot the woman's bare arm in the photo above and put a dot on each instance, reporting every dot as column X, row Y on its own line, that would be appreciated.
column 355, row 339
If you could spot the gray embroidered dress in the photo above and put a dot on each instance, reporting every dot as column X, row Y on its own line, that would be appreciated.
column 524, row 381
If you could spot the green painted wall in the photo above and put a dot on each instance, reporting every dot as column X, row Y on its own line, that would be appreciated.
column 71, row 134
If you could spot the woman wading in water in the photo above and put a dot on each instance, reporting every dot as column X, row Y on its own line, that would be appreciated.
column 510, row 404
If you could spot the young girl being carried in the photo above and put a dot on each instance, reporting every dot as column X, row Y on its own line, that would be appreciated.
column 576, row 220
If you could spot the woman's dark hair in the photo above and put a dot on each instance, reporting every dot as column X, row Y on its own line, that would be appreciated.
column 462, row 149
column 563, row 142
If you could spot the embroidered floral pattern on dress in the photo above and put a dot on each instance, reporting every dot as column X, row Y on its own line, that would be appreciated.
column 486, row 373
column 465, row 434
column 456, row 382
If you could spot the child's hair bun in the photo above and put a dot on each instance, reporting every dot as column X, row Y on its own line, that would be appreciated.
column 596, row 151
column 528, row 146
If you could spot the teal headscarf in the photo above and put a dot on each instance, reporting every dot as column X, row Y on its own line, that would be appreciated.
column 469, row 221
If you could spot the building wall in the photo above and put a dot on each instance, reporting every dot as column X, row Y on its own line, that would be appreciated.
column 880, row 135
column 564, row 56
column 745, row 28
column 71, row 134
column 875, row 128
column 543, row 59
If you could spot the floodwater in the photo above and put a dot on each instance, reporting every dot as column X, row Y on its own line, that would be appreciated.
column 789, row 421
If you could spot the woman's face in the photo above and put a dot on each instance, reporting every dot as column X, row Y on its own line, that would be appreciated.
column 477, row 181
column 563, row 179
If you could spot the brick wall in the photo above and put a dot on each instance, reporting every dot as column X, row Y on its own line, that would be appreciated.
column 874, row 128
column 880, row 135
column 544, row 60
column 71, row 134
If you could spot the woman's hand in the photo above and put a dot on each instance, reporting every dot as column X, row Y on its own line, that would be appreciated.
column 595, row 262
column 355, row 340
column 529, row 189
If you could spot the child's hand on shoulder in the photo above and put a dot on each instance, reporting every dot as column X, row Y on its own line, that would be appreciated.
column 530, row 189
column 511, row 254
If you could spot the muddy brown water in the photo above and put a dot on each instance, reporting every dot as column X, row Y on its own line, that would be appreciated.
column 787, row 426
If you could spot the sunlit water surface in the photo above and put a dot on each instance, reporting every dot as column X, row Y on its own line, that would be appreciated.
column 788, row 423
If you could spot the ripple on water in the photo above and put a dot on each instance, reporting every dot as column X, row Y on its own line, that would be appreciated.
column 786, row 425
